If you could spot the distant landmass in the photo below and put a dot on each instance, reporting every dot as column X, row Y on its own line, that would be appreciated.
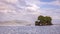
column 23, row 23
column 15, row 23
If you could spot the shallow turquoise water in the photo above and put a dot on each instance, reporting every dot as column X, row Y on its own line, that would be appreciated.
column 55, row 29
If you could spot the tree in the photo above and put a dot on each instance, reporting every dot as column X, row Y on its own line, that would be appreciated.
column 48, row 20
column 43, row 20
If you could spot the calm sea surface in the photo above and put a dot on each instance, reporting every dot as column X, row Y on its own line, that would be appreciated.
column 54, row 29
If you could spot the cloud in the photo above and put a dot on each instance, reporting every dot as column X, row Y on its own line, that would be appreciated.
column 54, row 13
column 57, row 2
column 28, row 9
column 9, row 1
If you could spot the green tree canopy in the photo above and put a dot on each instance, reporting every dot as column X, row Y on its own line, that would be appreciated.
column 44, row 20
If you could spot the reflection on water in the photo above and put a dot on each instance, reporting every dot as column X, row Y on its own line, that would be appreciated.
column 54, row 29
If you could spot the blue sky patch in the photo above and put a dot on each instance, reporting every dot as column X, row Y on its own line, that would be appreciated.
column 50, row 6
column 47, row 0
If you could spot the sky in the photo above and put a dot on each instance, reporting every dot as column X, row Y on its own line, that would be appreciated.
column 29, row 10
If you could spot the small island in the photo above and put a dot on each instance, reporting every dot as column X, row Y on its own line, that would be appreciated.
column 43, row 21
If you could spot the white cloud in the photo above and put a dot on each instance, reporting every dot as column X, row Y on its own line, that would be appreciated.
column 28, row 10
column 57, row 2
column 11, row 1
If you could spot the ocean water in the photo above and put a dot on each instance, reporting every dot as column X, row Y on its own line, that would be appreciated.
column 54, row 29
